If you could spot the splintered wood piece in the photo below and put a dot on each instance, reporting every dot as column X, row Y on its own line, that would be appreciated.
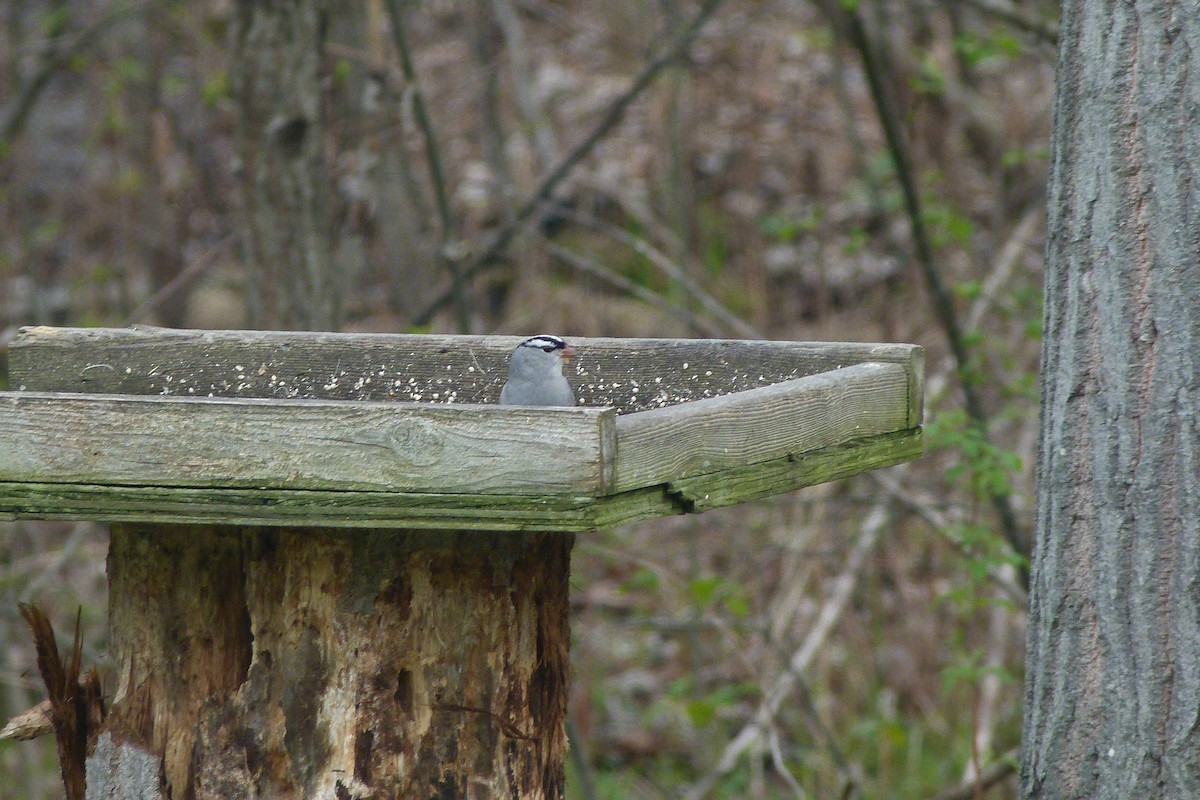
column 76, row 704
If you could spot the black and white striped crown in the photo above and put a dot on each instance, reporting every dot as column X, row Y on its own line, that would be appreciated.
column 544, row 342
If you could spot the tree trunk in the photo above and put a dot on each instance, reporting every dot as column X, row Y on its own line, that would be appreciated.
column 1113, row 662
column 319, row 663
column 285, row 224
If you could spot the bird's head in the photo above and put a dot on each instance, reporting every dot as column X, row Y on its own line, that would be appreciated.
column 542, row 351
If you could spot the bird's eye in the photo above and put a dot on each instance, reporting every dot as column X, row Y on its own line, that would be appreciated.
column 548, row 349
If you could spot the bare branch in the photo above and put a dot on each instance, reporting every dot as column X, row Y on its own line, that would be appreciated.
column 436, row 174
column 751, row 736
column 615, row 113
column 939, row 292
column 54, row 58
column 1008, row 12
column 596, row 270
column 669, row 268
column 998, row 771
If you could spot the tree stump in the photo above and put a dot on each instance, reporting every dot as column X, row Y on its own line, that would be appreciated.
column 320, row 662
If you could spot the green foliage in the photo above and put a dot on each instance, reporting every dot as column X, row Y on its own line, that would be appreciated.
column 969, row 290
column 930, row 78
column 969, row 669
column 46, row 232
column 856, row 241
column 702, row 710
column 173, row 85
column 216, row 89
column 1019, row 156
column 786, row 229
column 904, row 758
column 947, row 224
column 714, row 240
column 128, row 69
column 54, row 21
column 977, row 48
column 713, row 590
column 985, row 467
column 130, row 180
column 642, row 579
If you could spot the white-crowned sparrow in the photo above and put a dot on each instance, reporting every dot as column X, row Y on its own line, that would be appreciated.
column 535, row 373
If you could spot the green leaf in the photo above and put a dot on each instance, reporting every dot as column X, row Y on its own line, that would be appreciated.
column 643, row 579
column 703, row 591
column 700, row 712
column 216, row 88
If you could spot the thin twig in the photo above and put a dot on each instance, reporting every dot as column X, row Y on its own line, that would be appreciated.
column 55, row 58
column 591, row 267
column 751, row 736
column 993, row 774
column 537, row 123
column 612, row 116
column 669, row 268
column 939, row 293
column 184, row 277
column 821, row 732
column 585, row 779
column 781, row 765
column 1000, row 272
column 1018, row 18
column 436, row 174
column 501, row 184
column 990, row 686
column 945, row 527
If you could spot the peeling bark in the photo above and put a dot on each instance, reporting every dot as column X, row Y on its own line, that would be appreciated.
column 318, row 663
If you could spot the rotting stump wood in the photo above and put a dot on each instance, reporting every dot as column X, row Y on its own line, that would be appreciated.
column 283, row 662
column 337, row 569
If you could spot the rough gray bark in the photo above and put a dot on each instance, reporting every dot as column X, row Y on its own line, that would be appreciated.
column 285, row 224
column 1113, row 662
column 311, row 663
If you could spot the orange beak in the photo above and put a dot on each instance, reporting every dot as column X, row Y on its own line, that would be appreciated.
column 568, row 353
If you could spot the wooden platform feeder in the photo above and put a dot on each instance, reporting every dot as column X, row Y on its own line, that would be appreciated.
column 338, row 570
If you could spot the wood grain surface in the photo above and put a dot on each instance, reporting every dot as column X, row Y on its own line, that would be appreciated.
column 760, row 424
column 287, row 428
column 303, row 444
column 366, row 509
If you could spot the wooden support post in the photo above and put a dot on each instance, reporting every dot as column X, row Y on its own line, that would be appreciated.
column 316, row 662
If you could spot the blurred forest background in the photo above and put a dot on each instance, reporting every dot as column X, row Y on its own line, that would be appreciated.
column 784, row 169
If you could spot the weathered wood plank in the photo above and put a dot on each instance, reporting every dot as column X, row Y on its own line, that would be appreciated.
column 761, row 424
column 915, row 369
column 327, row 508
column 303, row 444
column 628, row 374
column 756, row 481
column 434, row 463
column 250, row 506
